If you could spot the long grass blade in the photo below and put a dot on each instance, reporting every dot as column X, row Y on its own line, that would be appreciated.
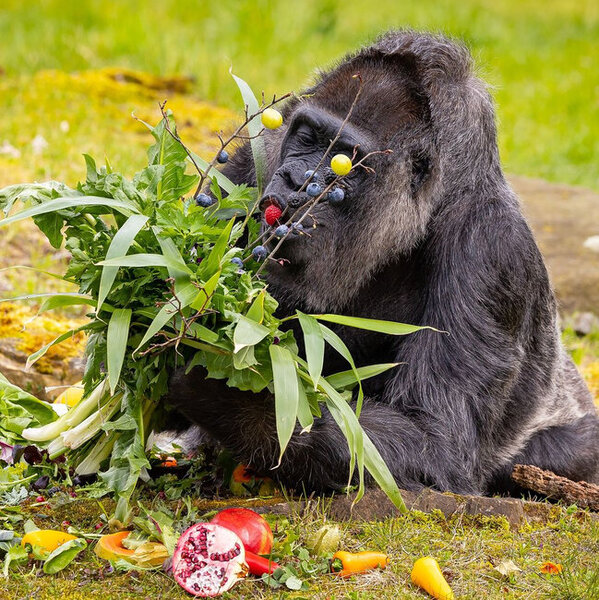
column 116, row 342
column 119, row 246
column 286, row 394
column 126, row 208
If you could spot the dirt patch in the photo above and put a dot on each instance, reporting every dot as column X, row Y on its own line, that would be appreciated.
column 562, row 217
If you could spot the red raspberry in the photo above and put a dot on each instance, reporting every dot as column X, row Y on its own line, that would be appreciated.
column 272, row 214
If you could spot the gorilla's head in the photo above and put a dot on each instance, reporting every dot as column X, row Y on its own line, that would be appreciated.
column 420, row 100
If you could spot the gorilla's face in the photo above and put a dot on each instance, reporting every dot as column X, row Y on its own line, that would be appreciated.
column 308, row 136
column 382, row 213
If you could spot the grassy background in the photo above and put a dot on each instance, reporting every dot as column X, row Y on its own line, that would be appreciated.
column 540, row 57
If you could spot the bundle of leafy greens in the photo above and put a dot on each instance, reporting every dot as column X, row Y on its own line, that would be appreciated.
column 157, row 271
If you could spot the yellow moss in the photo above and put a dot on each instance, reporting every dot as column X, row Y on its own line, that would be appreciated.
column 91, row 111
column 591, row 375
column 18, row 322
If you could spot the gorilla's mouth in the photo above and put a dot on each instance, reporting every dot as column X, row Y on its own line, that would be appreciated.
column 272, row 200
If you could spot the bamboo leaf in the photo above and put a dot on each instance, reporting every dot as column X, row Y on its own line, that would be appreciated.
column 178, row 270
column 345, row 379
column 389, row 327
column 143, row 260
column 338, row 344
column 62, row 300
column 204, row 297
column 314, row 344
column 116, row 341
column 304, row 413
column 126, row 208
column 254, row 128
column 119, row 246
column 372, row 460
column 287, row 393
column 61, row 338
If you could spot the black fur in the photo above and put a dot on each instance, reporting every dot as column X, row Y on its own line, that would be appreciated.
column 434, row 237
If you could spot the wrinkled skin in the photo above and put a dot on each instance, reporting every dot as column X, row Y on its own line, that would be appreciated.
column 434, row 237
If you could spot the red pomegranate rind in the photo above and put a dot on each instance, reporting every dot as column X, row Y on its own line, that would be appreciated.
column 208, row 560
column 252, row 528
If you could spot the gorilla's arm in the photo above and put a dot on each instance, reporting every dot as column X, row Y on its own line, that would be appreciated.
column 245, row 423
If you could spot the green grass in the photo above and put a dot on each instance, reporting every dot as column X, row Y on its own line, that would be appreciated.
column 466, row 547
column 540, row 57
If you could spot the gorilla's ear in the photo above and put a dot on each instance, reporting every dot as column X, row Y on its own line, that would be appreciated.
column 421, row 168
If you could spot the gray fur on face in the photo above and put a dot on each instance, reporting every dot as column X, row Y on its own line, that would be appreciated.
column 435, row 237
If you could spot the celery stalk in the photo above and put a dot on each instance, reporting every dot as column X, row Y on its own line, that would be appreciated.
column 102, row 450
column 89, row 427
column 77, row 414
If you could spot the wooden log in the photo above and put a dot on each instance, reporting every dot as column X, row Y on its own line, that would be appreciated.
column 581, row 493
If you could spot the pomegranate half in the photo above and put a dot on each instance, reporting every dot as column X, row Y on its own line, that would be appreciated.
column 208, row 560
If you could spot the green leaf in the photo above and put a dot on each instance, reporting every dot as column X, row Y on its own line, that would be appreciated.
column 389, row 327
column 15, row 555
column 314, row 344
column 286, row 393
column 254, row 128
column 50, row 225
column 304, row 413
column 126, row 208
column 143, row 260
column 368, row 453
column 61, row 300
column 248, row 333
column 256, row 310
column 116, row 344
column 181, row 273
column 63, row 556
column 338, row 344
column 204, row 297
column 345, row 379
column 168, row 153
column 211, row 264
column 119, row 246
column 20, row 410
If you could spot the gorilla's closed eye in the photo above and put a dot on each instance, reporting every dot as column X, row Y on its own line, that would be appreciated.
column 305, row 135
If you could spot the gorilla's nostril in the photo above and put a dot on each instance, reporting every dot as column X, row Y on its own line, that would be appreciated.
column 272, row 199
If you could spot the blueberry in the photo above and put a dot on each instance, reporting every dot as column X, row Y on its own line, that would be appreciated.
column 203, row 200
column 223, row 157
column 259, row 253
column 311, row 173
column 336, row 196
column 237, row 261
column 297, row 228
column 313, row 190
column 281, row 231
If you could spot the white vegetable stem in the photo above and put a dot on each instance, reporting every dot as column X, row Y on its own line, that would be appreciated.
column 77, row 414
column 88, row 428
column 102, row 450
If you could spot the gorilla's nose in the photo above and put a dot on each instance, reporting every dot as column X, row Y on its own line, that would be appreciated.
column 271, row 198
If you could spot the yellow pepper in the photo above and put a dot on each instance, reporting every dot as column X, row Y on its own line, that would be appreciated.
column 427, row 575
column 358, row 562
column 46, row 539
column 71, row 396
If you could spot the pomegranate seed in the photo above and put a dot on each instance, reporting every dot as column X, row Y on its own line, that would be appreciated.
column 40, row 499
column 98, row 526
column 65, row 524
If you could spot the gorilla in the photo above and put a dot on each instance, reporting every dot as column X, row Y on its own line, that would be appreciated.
column 433, row 235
